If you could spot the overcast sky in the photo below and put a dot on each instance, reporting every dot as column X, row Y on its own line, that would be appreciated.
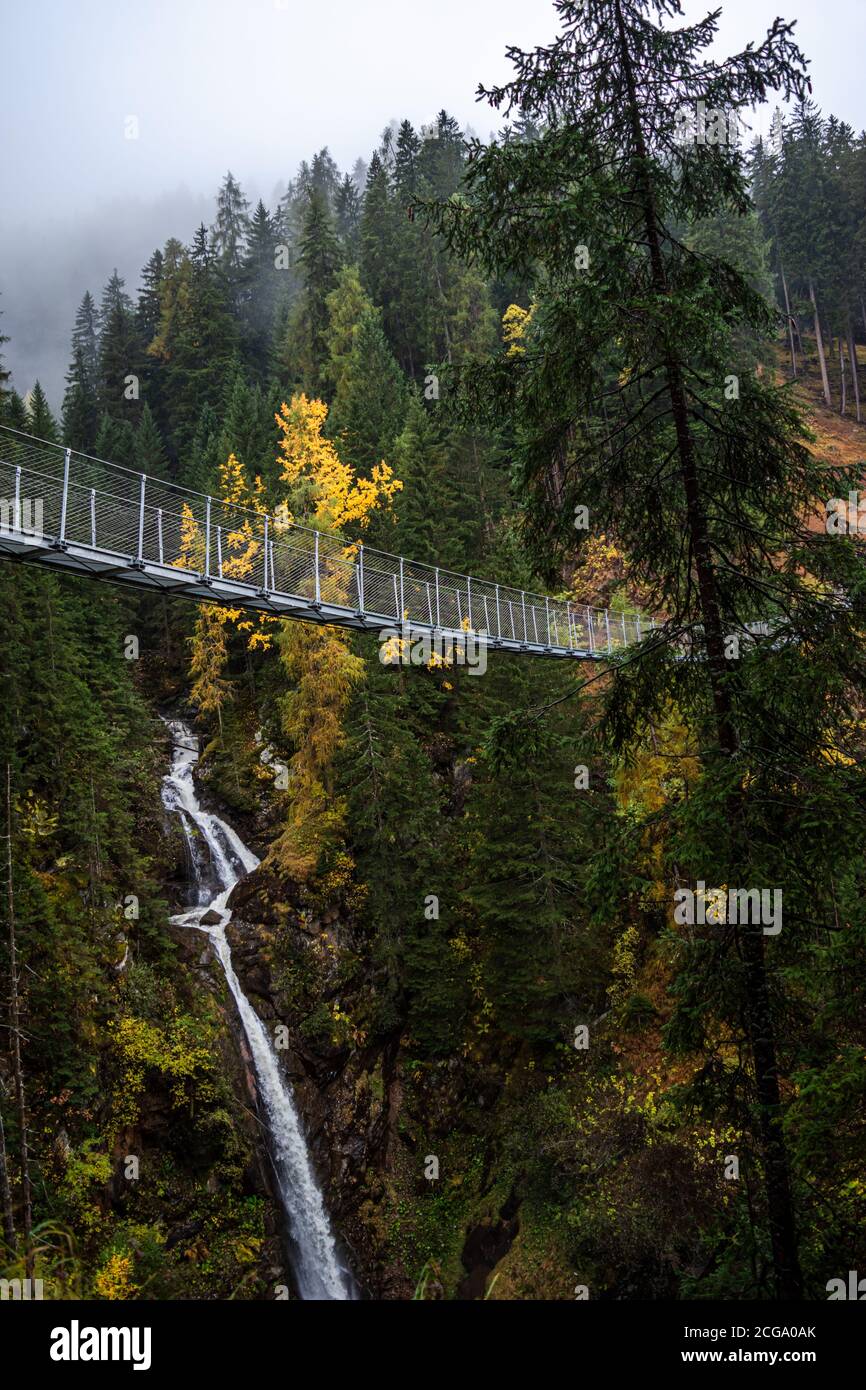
column 254, row 86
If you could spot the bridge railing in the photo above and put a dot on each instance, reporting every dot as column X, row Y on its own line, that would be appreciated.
column 104, row 507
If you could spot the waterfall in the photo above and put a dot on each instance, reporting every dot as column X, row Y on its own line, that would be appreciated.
column 318, row 1269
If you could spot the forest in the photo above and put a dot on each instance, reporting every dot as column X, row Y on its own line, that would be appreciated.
column 490, row 933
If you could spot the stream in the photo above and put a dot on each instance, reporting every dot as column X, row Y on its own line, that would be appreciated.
column 219, row 859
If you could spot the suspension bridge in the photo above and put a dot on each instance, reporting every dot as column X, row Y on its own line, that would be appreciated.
column 66, row 510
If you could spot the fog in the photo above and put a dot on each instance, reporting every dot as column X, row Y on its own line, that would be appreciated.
column 120, row 117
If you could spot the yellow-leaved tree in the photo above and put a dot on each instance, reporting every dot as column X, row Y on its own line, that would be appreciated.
column 322, row 669
column 236, row 548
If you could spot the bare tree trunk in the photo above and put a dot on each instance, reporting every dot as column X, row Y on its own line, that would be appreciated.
column 5, row 1188
column 820, row 341
column 758, row 1013
column 852, row 353
column 843, row 376
column 15, row 1032
column 789, row 320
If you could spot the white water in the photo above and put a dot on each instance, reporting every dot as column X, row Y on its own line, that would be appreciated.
column 318, row 1270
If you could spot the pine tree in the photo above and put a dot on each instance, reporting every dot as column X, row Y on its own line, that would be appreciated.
column 115, row 441
column 149, row 452
column 260, row 288
column 202, row 344
column 80, row 409
column 347, row 304
column 119, row 353
column 347, row 215
column 370, row 405
column 40, row 421
column 15, row 412
column 406, row 162
column 617, row 274
column 230, row 228
column 4, row 379
column 306, row 346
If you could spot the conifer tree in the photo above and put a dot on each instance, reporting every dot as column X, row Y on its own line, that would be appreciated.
column 40, row 420
column 347, row 215
column 230, row 229
column 319, row 258
column 259, row 290
column 4, row 377
column 80, row 409
column 623, row 392
column 149, row 452
column 370, row 404
column 119, row 353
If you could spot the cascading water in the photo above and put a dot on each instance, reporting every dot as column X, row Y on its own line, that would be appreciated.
column 319, row 1272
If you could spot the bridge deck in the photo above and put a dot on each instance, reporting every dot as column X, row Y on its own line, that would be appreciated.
column 63, row 509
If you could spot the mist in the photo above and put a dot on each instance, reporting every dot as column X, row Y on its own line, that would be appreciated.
column 122, row 118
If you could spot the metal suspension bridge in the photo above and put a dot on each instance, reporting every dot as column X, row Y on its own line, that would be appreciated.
column 71, row 512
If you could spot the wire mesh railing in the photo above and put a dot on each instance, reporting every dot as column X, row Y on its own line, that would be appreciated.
column 73, row 500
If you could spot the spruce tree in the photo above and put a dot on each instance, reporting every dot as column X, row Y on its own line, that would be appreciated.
column 369, row 407
column 319, row 259
column 149, row 451
column 119, row 353
column 80, row 409
column 624, row 394
column 40, row 420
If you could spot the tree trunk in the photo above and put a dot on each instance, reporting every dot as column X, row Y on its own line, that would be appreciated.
column 5, row 1188
column 852, row 353
column 15, row 1033
column 758, row 1014
column 789, row 319
column 820, row 341
column 844, row 377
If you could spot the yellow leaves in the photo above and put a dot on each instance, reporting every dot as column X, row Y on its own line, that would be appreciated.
column 515, row 322
column 114, row 1280
column 311, row 465
column 209, row 656
column 35, row 817
column 323, row 672
column 191, row 554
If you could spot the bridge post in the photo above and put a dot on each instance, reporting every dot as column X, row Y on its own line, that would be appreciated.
column 16, row 510
column 93, row 517
column 265, row 558
column 67, row 454
column 589, row 628
column 159, row 534
column 316, row 563
column 402, row 592
column 438, row 620
column 568, row 617
column 140, row 556
column 523, row 606
column 547, row 616
column 361, row 576
column 207, row 538
column 607, row 627
column 498, row 623
column 624, row 632
column 220, row 551
column 469, row 598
